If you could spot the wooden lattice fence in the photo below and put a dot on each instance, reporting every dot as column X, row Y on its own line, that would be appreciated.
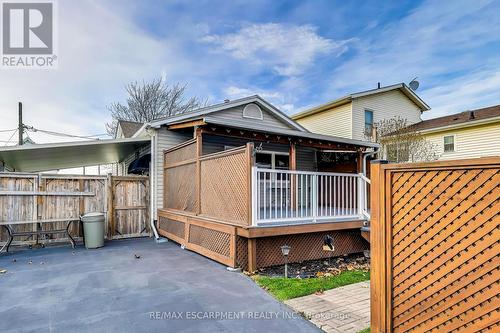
column 435, row 238
column 207, row 188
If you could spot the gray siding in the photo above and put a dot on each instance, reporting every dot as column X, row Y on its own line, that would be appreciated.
column 166, row 139
column 235, row 115
column 306, row 157
column 214, row 144
column 123, row 165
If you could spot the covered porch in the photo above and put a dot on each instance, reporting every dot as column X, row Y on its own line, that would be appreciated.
column 231, row 193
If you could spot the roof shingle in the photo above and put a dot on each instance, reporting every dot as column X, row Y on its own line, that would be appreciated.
column 129, row 128
column 459, row 118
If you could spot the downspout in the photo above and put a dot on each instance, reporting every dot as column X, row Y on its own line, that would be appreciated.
column 152, row 177
column 365, row 156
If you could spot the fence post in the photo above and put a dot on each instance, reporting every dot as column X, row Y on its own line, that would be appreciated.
column 110, row 202
column 378, row 307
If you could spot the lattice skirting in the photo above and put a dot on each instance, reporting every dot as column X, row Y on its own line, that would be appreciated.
column 221, row 243
column 213, row 240
column 308, row 246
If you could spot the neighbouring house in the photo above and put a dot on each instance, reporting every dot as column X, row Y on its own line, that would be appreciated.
column 126, row 129
column 354, row 115
column 469, row 134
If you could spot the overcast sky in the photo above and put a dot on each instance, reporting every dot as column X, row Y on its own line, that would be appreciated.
column 294, row 53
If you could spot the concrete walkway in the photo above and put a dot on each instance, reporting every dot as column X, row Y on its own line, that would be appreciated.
column 345, row 309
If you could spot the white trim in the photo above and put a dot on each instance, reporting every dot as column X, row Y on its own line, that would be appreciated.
column 261, row 117
column 347, row 99
column 72, row 144
column 273, row 156
column 231, row 104
column 454, row 136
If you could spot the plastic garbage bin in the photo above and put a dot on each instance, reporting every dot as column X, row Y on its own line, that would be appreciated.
column 93, row 230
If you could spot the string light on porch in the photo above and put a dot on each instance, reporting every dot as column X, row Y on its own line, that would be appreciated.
column 285, row 250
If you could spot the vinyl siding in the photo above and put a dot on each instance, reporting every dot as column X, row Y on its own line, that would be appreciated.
column 166, row 139
column 306, row 157
column 384, row 106
column 214, row 144
column 123, row 165
column 235, row 115
column 470, row 142
column 336, row 121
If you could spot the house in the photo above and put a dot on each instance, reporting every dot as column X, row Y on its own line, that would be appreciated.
column 353, row 116
column 469, row 134
column 235, row 181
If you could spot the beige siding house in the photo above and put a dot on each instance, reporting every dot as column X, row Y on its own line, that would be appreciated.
column 468, row 134
column 348, row 116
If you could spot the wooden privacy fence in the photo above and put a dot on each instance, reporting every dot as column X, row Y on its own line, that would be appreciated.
column 213, row 187
column 217, row 185
column 45, row 197
column 435, row 246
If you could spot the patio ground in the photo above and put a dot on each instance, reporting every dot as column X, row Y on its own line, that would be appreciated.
column 58, row 289
column 340, row 310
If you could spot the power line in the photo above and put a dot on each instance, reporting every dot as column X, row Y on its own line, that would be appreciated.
column 8, row 130
column 92, row 137
column 14, row 133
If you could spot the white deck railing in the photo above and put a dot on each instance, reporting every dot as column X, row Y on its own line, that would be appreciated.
column 302, row 196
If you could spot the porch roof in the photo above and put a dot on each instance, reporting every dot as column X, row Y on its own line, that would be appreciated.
column 292, row 133
column 53, row 156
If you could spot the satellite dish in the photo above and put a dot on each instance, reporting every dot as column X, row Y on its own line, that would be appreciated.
column 414, row 84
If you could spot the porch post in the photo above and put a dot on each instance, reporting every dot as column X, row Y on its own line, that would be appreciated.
column 199, row 152
column 359, row 164
column 251, row 185
column 293, row 156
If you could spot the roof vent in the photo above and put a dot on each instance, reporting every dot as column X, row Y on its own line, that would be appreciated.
column 252, row 111
column 471, row 115
column 226, row 101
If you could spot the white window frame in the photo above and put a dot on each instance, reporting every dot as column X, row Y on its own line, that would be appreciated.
column 454, row 144
column 273, row 156
column 261, row 117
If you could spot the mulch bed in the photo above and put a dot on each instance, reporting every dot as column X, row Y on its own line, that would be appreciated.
column 319, row 268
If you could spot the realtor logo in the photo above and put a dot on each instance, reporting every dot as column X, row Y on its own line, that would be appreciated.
column 28, row 34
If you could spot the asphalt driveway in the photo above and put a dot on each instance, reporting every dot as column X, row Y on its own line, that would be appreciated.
column 168, row 289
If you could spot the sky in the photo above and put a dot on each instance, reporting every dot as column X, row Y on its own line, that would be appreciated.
column 295, row 54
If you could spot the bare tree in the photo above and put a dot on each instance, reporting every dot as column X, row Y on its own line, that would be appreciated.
column 401, row 142
column 147, row 101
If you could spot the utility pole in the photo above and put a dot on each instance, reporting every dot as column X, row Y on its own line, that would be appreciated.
column 20, row 128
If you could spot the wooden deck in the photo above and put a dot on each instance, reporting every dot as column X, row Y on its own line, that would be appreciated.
column 223, row 207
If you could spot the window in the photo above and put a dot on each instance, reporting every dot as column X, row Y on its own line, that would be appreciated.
column 252, row 111
column 368, row 123
column 272, row 160
column 449, row 143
